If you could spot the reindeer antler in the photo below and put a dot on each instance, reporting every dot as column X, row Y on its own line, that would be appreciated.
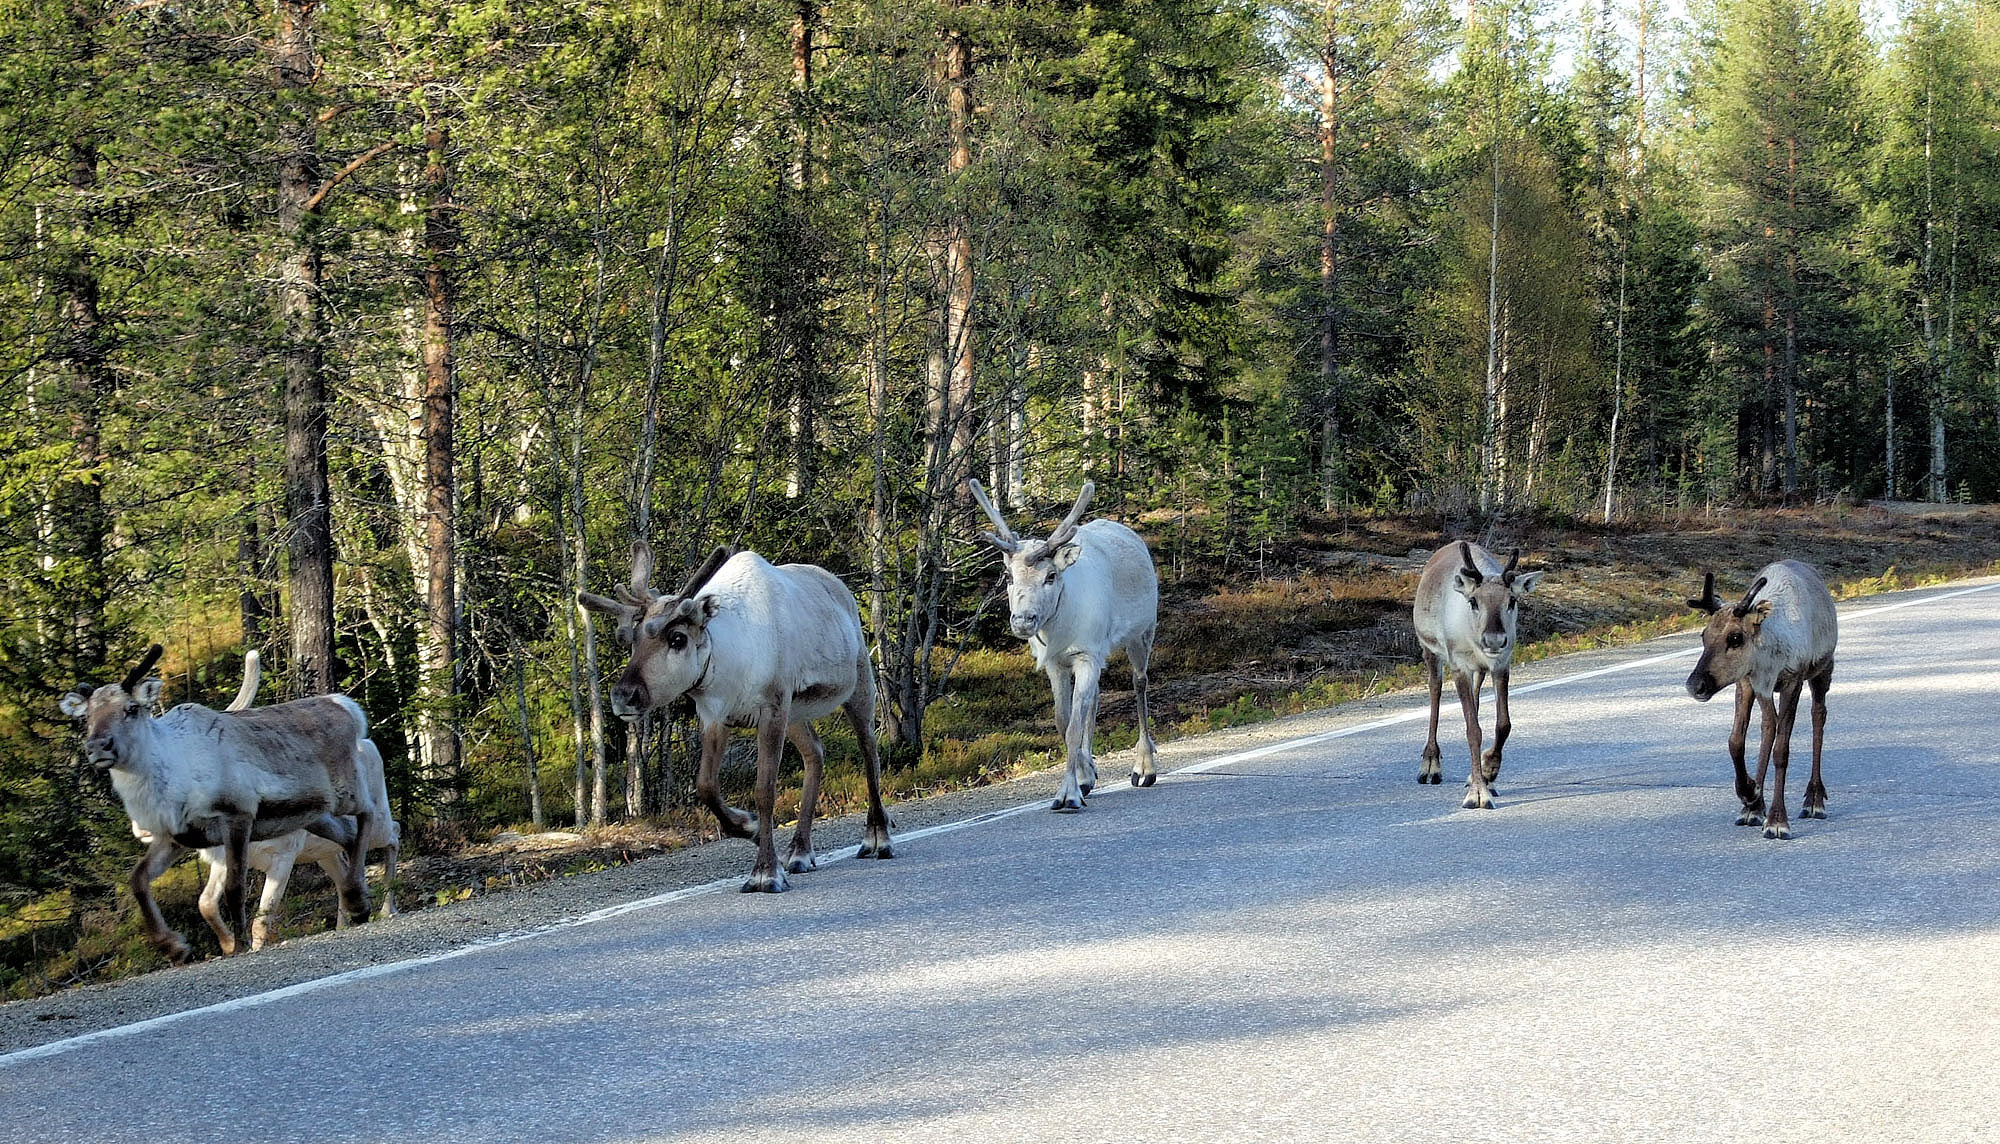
column 716, row 559
column 641, row 591
column 137, row 675
column 1706, row 602
column 1471, row 569
column 1002, row 537
column 1513, row 562
column 1067, row 529
column 1743, row 608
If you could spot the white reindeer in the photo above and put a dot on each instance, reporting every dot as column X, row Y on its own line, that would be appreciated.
column 1776, row 640
column 1465, row 613
column 1076, row 597
column 753, row 644
column 196, row 777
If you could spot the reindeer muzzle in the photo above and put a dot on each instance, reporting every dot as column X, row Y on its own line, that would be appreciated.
column 101, row 753
column 1701, row 685
column 629, row 700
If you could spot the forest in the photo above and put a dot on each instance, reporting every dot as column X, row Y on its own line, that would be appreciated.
column 367, row 333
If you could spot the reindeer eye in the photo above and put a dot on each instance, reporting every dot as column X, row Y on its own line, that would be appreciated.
column 677, row 641
column 1049, row 579
column 1735, row 639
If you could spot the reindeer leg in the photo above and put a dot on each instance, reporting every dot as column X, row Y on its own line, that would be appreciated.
column 765, row 876
column 1079, row 773
column 1769, row 710
column 1750, row 794
column 861, row 714
column 354, row 889
column 1815, row 805
column 1140, row 652
column 1477, row 795
column 708, row 784
column 151, row 865
column 800, row 859
column 272, row 901
column 390, row 851
column 1501, row 726
column 210, row 902
column 1063, row 684
column 235, row 902
column 1090, row 675
column 335, row 866
column 1776, row 825
column 1431, row 772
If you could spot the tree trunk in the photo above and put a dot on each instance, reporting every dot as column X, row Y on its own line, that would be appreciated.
column 1889, row 427
column 956, row 333
column 1617, row 392
column 79, row 517
column 308, row 497
column 801, row 312
column 1329, row 260
column 534, row 777
column 440, row 669
column 1489, row 455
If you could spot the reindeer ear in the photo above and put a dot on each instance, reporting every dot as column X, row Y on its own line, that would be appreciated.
column 1758, row 613
column 1525, row 582
column 75, row 703
column 148, row 692
column 1465, row 583
column 1067, row 555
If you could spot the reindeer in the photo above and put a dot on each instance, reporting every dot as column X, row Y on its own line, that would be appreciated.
column 752, row 644
column 1076, row 597
column 196, row 777
column 275, row 858
column 1465, row 613
column 1776, row 640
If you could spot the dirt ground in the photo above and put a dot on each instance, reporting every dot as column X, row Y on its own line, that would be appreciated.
column 1328, row 622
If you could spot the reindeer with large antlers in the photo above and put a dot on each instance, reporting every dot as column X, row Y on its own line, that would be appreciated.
column 1085, row 592
column 1776, row 640
column 753, row 644
column 195, row 777
column 1465, row 614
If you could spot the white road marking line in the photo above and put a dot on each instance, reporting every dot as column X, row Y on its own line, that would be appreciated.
column 256, row 1000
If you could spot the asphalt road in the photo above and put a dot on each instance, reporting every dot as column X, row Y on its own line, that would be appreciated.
column 1287, row 939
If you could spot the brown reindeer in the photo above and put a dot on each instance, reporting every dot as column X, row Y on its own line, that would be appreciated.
column 1778, row 639
column 196, row 777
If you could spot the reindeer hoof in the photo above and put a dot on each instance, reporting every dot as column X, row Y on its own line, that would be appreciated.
column 771, row 883
column 1067, row 805
column 1749, row 818
column 1087, row 788
column 801, row 863
column 1478, row 802
column 1778, row 832
column 875, row 850
column 1144, row 780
